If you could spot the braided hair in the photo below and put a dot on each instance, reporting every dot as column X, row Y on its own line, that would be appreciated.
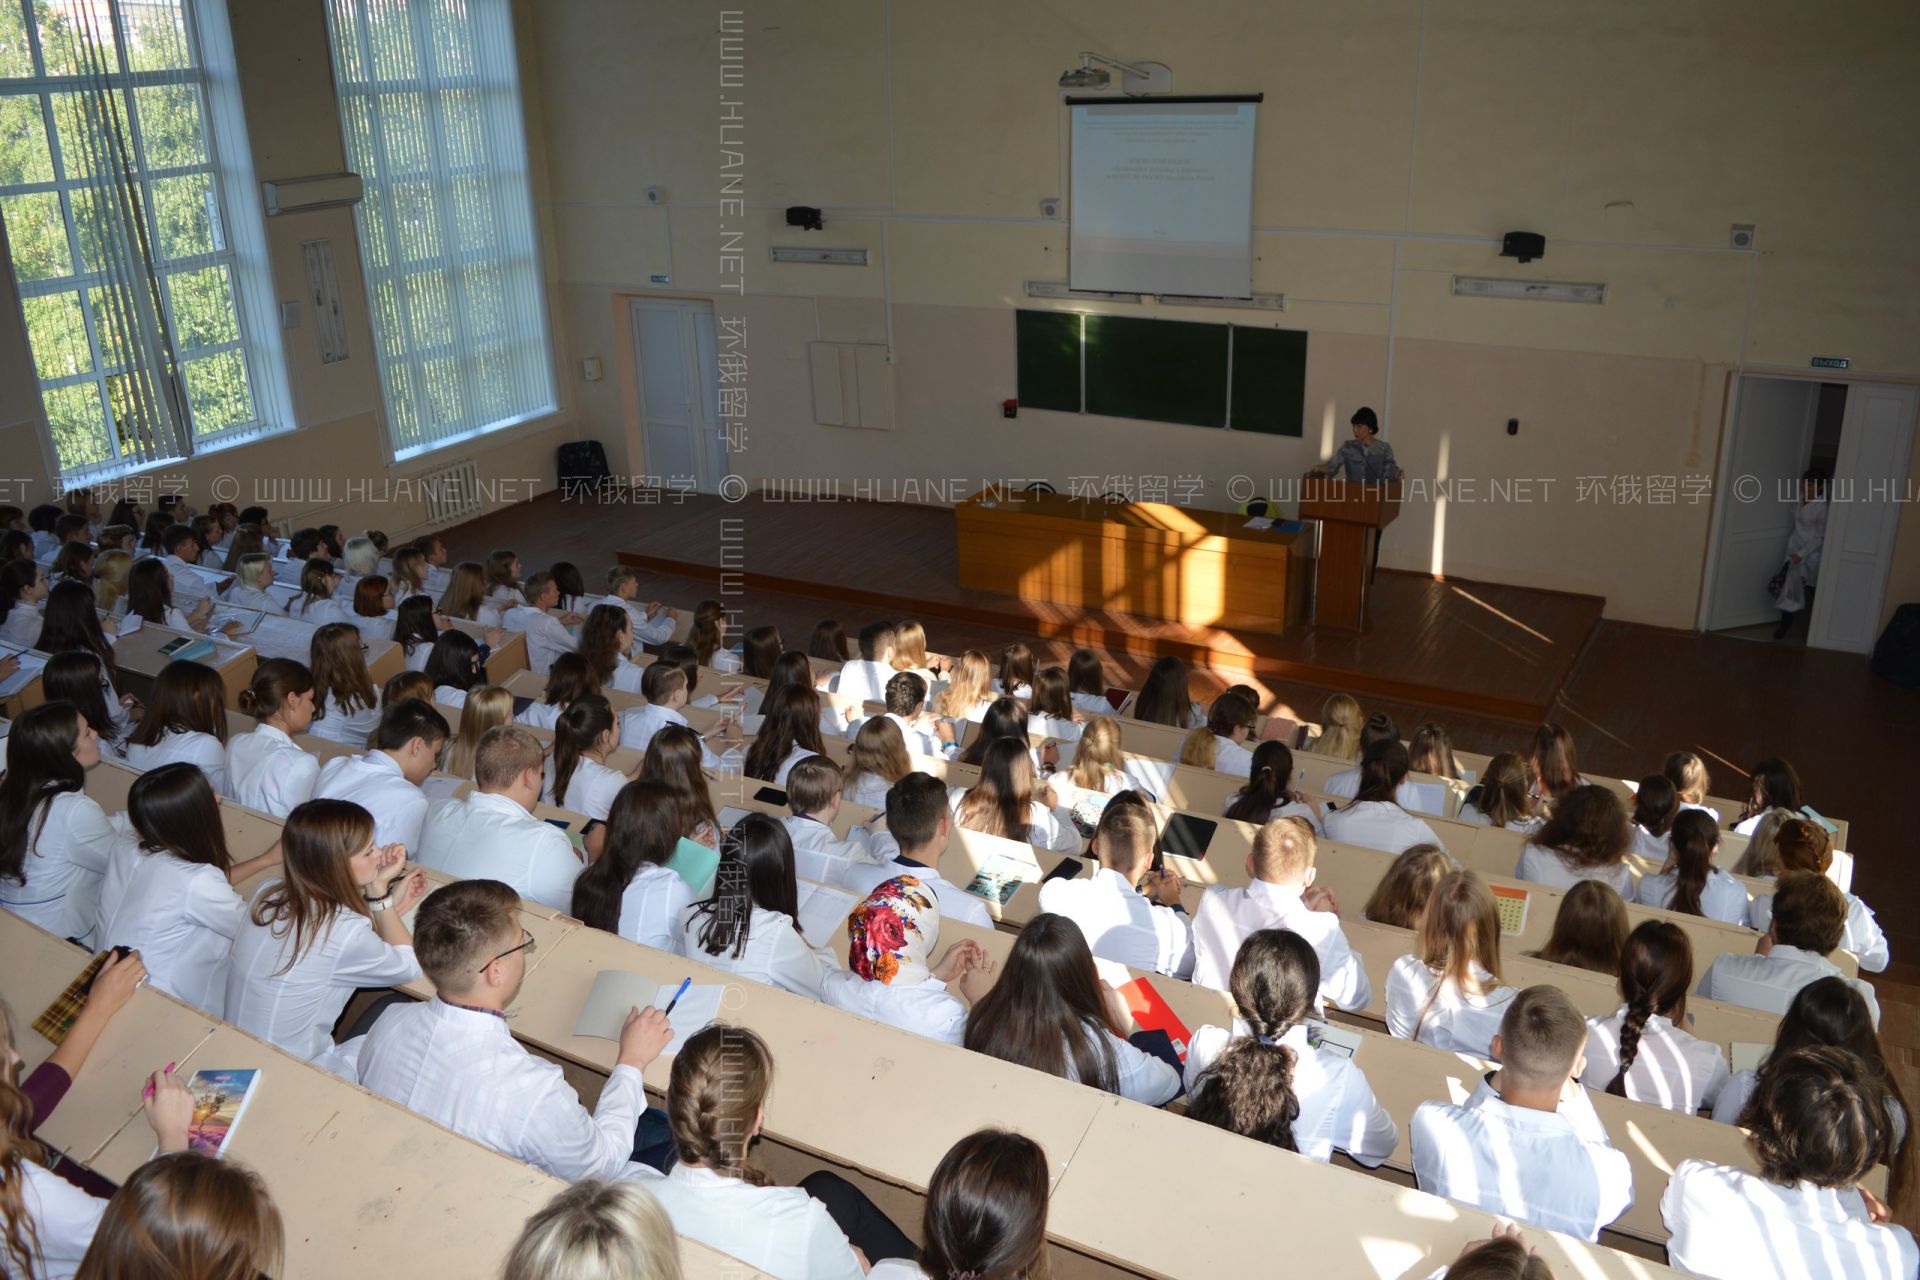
column 719, row 1082
column 1249, row 1089
column 1656, row 972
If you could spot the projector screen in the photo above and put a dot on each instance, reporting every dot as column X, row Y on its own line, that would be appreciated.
column 1162, row 198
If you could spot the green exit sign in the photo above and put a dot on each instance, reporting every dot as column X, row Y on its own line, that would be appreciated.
column 1831, row 362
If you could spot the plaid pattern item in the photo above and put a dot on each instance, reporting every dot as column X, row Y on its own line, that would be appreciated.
column 57, row 1018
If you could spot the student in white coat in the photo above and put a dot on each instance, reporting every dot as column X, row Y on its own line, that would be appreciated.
column 1049, row 1010
column 181, row 554
column 922, row 732
column 1221, row 743
column 1809, row 918
column 813, row 797
column 319, row 601
column 605, row 638
column 185, row 719
column 334, row 922
column 1804, row 546
column 547, row 635
column 169, row 892
column 150, row 597
column 454, row 1060
column 1773, row 784
column 1527, row 1143
column 1655, row 806
column 1249, row 1077
column 1587, row 837
column 1269, row 792
column 492, row 833
column 1817, row 1127
column 877, row 759
column 577, row 776
column 716, row 1103
column 569, row 679
column 454, row 664
column 665, row 688
column 1804, row 845
column 1087, row 684
column 1448, row 993
column 986, row 1212
column 1376, row 818
column 1279, row 894
column 1825, row 1012
column 748, row 926
column 891, row 975
column 653, row 622
column 866, row 676
column 249, row 590
column 346, row 704
column 1128, row 912
column 1642, row 1051
column 1006, row 803
column 55, row 843
column 628, row 888
column 917, row 830
column 1503, row 797
column 23, row 585
column 1378, row 730
column 386, row 780
column 708, row 638
column 266, row 769
column 1687, row 881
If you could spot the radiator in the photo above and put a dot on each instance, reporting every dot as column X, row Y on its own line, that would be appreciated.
column 451, row 493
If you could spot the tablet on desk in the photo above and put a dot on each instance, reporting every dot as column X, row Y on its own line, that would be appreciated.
column 771, row 795
column 1187, row 836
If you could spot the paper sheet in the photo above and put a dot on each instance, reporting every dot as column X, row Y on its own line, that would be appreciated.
column 823, row 912
column 615, row 992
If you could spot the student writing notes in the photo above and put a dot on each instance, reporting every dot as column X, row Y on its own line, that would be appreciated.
column 1263, row 1079
column 813, row 794
column 1279, row 895
column 492, row 834
column 1809, row 918
column 629, row 889
column 1816, row 1127
column 1643, row 1051
column 747, row 925
column 454, row 1060
column 1448, row 993
column 54, row 840
column 1526, row 1143
column 891, row 976
column 986, row 1212
column 1129, row 912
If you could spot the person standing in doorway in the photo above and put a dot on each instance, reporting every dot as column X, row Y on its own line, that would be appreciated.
column 1801, row 572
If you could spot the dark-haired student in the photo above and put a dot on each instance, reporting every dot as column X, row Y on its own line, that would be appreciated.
column 1816, row 1127
column 1642, row 1050
column 184, row 720
column 1375, row 817
column 986, row 1214
column 578, row 777
column 266, row 769
column 1129, row 912
column 386, row 780
column 1809, row 919
column 866, row 676
column 628, row 888
column 1279, row 894
column 747, row 925
column 664, row 686
column 1827, row 1012
column 55, row 843
column 1379, row 729
column 892, row 976
column 1804, row 845
column 918, row 827
column 23, row 585
column 454, row 1060
column 1527, row 1143
column 569, row 678
column 547, row 635
column 1687, row 881
column 1263, row 1078
column 491, row 833
column 75, row 676
column 169, row 893
column 1049, row 1010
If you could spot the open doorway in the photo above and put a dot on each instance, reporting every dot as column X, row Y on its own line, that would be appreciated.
column 1857, row 433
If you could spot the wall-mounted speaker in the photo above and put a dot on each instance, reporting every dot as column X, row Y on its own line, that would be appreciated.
column 1524, row 245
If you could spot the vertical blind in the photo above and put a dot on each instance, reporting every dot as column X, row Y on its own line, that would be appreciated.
column 430, row 107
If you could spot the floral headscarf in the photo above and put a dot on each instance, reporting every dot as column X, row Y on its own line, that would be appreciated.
column 892, row 933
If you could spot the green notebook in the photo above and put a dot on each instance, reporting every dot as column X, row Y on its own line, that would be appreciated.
column 694, row 863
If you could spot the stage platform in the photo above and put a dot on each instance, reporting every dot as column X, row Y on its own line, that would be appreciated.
column 1482, row 648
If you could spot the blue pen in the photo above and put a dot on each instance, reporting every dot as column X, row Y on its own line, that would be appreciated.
column 684, row 984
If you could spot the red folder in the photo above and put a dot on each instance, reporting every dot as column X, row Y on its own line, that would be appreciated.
column 1153, row 1014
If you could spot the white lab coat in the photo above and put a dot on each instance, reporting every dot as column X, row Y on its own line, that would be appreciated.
column 1229, row 916
column 1122, row 924
column 182, row 917
column 1337, row 1106
column 591, row 789
column 1722, row 897
column 955, row 903
column 823, row 857
column 72, row 846
column 1729, row 1224
column 1670, row 1069
column 547, row 637
column 1454, row 1020
column 297, row 1009
column 1771, row 981
column 1376, row 824
column 374, row 782
column 22, row 627
column 925, row 1008
column 1140, row 1076
column 781, row 1232
column 348, row 728
column 775, row 953
column 268, row 771
column 64, row 1220
column 652, row 907
column 639, row 724
column 1046, row 828
column 1545, row 866
column 490, row 837
column 1862, row 937
column 184, row 746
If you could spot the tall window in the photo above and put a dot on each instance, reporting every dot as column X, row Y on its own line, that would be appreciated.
column 430, row 106
column 156, row 99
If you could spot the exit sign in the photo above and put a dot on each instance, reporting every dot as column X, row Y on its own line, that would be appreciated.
column 1831, row 362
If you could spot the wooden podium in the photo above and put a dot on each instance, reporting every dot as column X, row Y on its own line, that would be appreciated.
column 1347, row 512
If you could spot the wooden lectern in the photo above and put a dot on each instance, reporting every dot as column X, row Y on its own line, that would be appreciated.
column 1347, row 512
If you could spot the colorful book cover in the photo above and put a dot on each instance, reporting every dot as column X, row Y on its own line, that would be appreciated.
column 1154, row 1014
column 219, row 1100
column 1001, row 878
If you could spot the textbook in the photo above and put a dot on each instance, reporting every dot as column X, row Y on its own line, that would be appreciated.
column 1002, row 877
column 129, row 624
column 248, row 619
column 1152, row 1013
column 187, row 649
column 220, row 1098
column 30, row 666
column 615, row 992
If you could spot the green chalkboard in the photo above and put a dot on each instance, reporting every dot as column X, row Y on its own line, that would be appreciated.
column 1047, row 345
column 1269, row 380
column 1160, row 370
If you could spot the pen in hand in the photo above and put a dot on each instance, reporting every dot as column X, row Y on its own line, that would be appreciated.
column 148, row 1091
column 684, row 984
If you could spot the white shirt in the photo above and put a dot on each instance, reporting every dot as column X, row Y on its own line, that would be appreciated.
column 1455, row 1021
column 1671, row 1068
column 794, row 756
column 1376, row 824
column 1345, row 785
column 1553, row 1169
column 626, row 676
column 1722, row 898
column 22, row 627
column 188, row 580
column 415, row 659
column 1527, row 825
column 462, row 1068
column 955, row 902
column 1771, row 981
column 1094, row 704
column 725, row 660
column 1290, row 809
column 1729, row 1224
column 1649, row 846
column 184, row 746
column 1046, row 828
column 348, row 728
column 652, row 907
column 780, row 1231
column 1545, row 866
column 658, row 630
column 1231, row 757
column 1227, row 917
column 374, row 782
column 1862, row 936
column 775, row 953
column 46, row 544
column 1122, row 924
column 869, row 789
column 64, row 868
column 639, row 724
column 547, row 638
column 320, row 612
column 591, row 789
column 1337, row 1106
column 541, row 715
column 447, row 695
column 64, row 1219
column 490, row 837
column 297, row 1009
column 182, row 917
column 821, row 856
column 247, row 597
column 268, row 771
column 926, row 1008
column 1138, row 1074
column 864, row 679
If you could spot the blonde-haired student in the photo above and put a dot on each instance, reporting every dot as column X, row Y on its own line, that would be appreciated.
column 653, row 622
column 1448, row 992
column 1221, row 743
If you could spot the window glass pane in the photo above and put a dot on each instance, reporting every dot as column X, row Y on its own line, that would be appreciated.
column 170, row 125
column 427, row 308
column 452, row 38
column 78, row 127
column 403, row 134
column 460, row 140
column 203, row 313
column 181, row 207
column 485, row 302
column 443, row 390
column 73, row 38
column 58, row 334
column 37, row 234
column 473, row 224
column 217, row 390
column 390, row 35
column 416, row 221
column 156, row 35
column 78, row 425
column 23, row 141
column 16, row 58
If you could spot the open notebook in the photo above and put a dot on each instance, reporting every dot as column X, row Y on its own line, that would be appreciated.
column 615, row 992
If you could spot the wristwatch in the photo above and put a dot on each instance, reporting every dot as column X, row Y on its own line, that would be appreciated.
column 380, row 904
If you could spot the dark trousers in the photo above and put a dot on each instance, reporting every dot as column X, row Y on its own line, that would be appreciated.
column 866, row 1228
column 1159, row 1044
